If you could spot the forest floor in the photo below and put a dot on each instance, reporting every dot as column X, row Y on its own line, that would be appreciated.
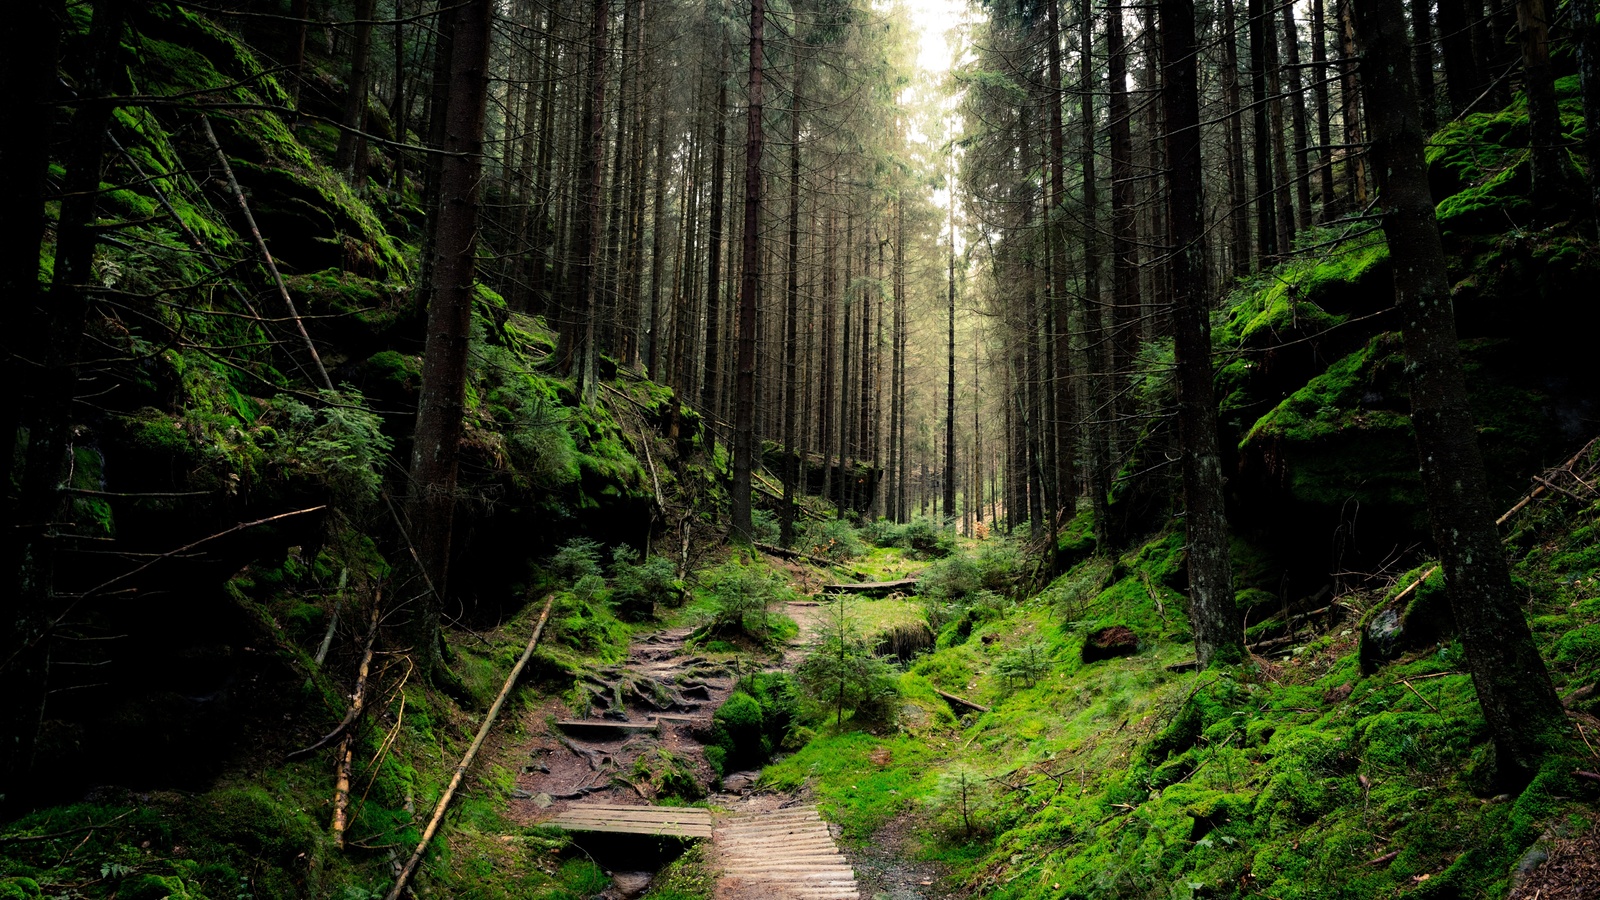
column 614, row 758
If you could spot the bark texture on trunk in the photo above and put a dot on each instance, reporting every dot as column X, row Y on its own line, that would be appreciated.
column 1524, row 715
column 436, row 451
column 1218, row 636
column 744, row 433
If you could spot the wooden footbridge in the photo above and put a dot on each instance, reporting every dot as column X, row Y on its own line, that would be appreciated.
column 784, row 854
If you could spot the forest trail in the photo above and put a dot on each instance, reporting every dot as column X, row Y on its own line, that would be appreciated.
column 598, row 772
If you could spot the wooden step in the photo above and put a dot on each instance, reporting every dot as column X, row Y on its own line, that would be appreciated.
column 605, row 728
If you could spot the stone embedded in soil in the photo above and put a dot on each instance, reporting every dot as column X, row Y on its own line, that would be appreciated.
column 626, row 885
column 1110, row 643
column 740, row 782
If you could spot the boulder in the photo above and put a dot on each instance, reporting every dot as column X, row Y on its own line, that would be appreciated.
column 1109, row 643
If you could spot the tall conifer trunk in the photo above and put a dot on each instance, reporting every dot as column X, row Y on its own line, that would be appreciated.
column 1524, row 715
column 51, row 343
column 1096, row 414
column 1218, row 636
column 347, row 156
column 744, row 436
column 436, row 448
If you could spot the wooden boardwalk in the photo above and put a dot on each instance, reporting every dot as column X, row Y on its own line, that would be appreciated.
column 785, row 854
column 658, row 821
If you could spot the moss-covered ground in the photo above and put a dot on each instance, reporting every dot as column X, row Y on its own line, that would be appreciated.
column 1293, row 775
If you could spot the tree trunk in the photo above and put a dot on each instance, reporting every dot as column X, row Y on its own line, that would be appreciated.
column 1587, row 38
column 744, row 436
column 1238, row 201
column 1319, row 72
column 1461, row 79
column 1095, row 405
column 1282, row 188
column 51, row 341
column 1549, row 149
column 1297, row 113
column 346, row 156
column 1355, row 171
column 1218, row 636
column 1124, row 318
column 825, row 412
column 584, row 362
column 1267, row 247
column 1422, row 39
column 950, row 383
column 436, row 448
column 28, row 73
column 653, row 313
column 712, row 379
column 791, row 321
column 1523, row 712
column 1060, row 301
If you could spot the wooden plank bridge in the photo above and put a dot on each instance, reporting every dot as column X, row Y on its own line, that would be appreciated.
column 781, row 854
column 656, row 821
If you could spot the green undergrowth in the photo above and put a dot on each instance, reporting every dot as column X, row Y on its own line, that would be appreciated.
column 263, row 832
column 1294, row 777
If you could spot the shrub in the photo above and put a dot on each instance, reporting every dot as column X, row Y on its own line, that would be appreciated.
column 765, row 527
column 576, row 558
column 738, row 729
column 831, row 539
column 920, row 535
column 638, row 588
column 840, row 673
column 1025, row 665
column 744, row 596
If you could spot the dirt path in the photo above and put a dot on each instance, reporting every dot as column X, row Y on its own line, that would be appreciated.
column 660, row 700
column 659, row 683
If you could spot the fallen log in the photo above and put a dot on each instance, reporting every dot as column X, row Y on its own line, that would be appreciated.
column 870, row 588
column 961, row 701
column 410, row 867
column 786, row 553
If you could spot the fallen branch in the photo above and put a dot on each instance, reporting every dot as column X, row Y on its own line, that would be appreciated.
column 266, row 255
column 30, row 838
column 786, row 553
column 1386, row 858
column 1587, row 775
column 466, row 761
column 961, row 701
column 1419, row 694
column 358, row 701
column 333, row 620
column 190, row 546
column 1529, row 497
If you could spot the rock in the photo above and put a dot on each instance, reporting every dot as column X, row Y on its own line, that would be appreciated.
column 1109, row 643
column 542, row 800
column 1413, row 620
column 627, row 885
column 740, row 782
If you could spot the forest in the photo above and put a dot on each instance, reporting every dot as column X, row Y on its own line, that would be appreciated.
column 813, row 449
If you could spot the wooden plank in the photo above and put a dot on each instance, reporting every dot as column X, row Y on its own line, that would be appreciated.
column 663, row 830
column 578, row 727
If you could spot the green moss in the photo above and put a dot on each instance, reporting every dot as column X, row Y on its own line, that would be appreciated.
column 1305, row 296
